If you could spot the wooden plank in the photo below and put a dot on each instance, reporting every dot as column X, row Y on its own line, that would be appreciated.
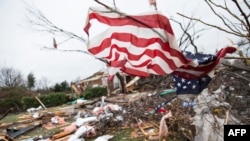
column 60, row 135
column 41, row 103
column 65, row 138
column 54, row 125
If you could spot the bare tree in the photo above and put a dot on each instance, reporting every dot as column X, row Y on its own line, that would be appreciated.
column 43, row 83
column 10, row 77
column 189, row 34
column 39, row 22
column 236, row 21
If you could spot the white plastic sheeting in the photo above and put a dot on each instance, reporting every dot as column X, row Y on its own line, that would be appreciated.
column 104, row 138
column 82, row 121
column 210, row 127
column 32, row 110
column 83, row 131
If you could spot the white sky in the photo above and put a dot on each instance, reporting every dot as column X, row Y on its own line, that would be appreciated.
column 22, row 48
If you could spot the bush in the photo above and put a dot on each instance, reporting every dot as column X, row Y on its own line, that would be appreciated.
column 95, row 92
column 54, row 99
column 49, row 100
column 13, row 102
column 28, row 102
column 11, row 98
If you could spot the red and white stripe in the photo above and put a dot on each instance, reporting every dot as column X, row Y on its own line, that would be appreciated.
column 130, row 44
column 138, row 45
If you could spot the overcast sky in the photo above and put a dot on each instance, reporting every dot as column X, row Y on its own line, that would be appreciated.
column 22, row 48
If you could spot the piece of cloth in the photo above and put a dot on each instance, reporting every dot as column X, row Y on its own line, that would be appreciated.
column 141, row 45
column 205, row 63
column 135, row 44
column 188, row 83
column 163, row 133
column 191, row 86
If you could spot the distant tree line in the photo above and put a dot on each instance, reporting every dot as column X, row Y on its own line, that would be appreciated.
column 15, row 89
column 13, row 78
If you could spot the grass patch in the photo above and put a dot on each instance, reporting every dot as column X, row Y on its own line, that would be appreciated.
column 39, row 131
column 10, row 118
column 119, row 135
column 125, row 136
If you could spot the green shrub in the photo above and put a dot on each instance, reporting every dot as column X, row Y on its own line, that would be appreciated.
column 28, row 102
column 54, row 99
column 95, row 92
column 13, row 102
column 49, row 100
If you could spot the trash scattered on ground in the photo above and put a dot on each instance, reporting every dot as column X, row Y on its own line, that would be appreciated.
column 155, row 114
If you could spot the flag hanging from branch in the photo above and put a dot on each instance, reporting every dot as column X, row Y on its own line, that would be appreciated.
column 138, row 45
column 143, row 44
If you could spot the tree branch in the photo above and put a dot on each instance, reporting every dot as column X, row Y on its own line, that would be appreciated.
column 80, row 51
column 185, row 32
column 36, row 18
column 215, row 26
column 219, row 16
column 244, row 15
column 123, row 14
column 225, row 8
column 247, row 4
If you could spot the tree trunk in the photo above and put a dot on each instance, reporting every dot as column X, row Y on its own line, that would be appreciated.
column 123, row 85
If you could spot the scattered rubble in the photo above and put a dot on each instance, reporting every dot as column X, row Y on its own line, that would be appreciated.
column 155, row 114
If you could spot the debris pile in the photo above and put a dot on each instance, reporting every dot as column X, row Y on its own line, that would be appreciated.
column 153, row 114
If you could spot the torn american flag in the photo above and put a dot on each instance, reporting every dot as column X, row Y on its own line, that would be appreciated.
column 142, row 44
column 195, row 86
column 207, row 63
column 138, row 45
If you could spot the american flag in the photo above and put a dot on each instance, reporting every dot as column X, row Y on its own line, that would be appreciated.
column 205, row 63
column 138, row 45
column 141, row 45
column 196, row 85
column 191, row 86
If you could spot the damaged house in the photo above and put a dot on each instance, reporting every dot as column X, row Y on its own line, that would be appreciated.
column 100, row 79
